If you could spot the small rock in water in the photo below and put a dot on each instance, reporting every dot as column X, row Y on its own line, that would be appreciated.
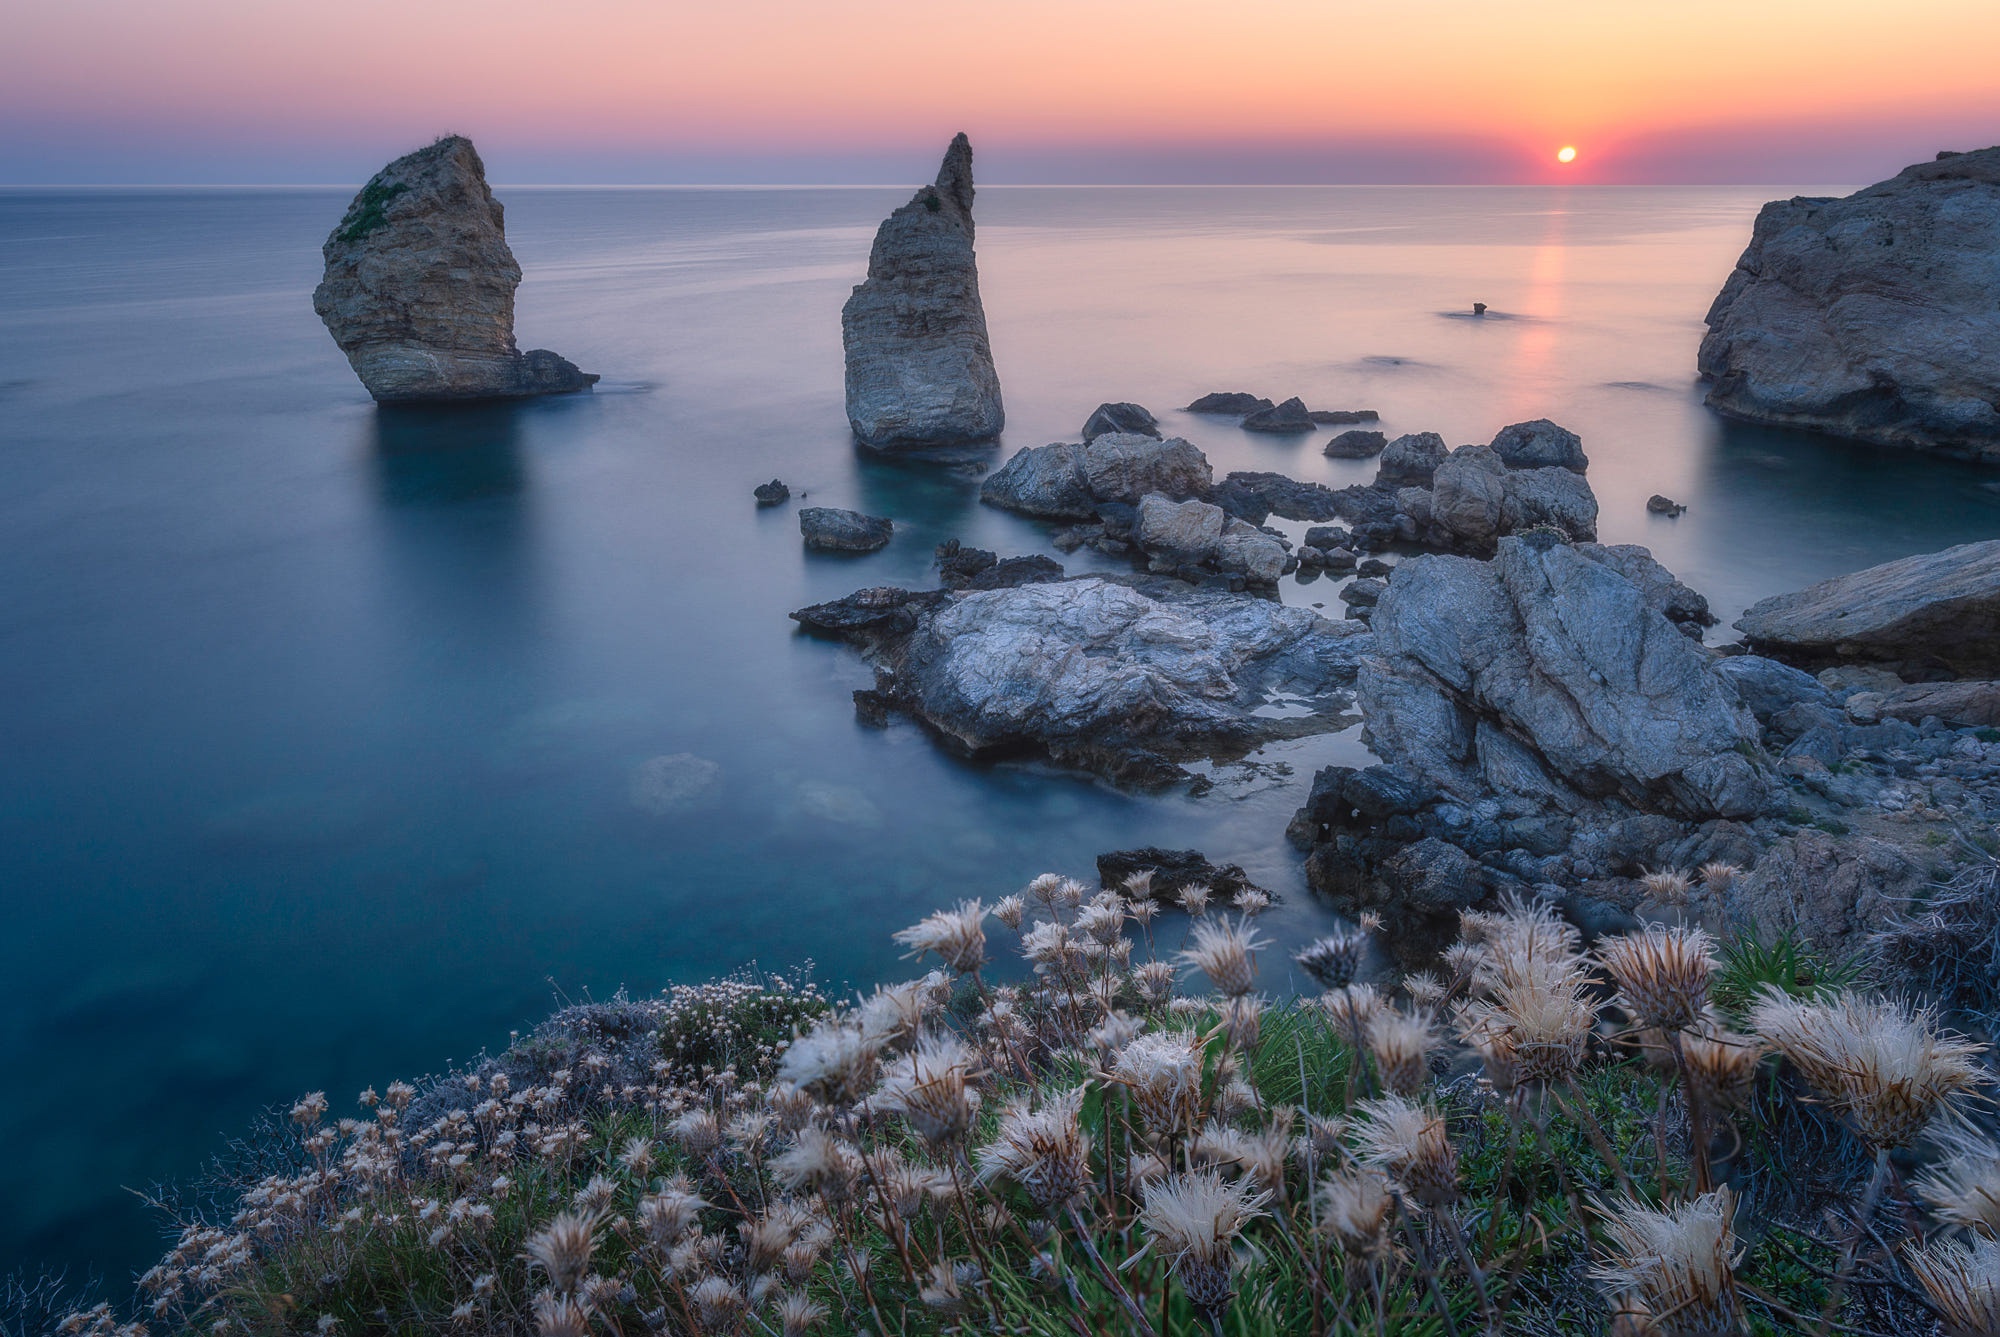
column 1132, row 419
column 1479, row 308
column 1660, row 505
column 773, row 493
column 1343, row 417
column 1287, row 418
column 1355, row 446
column 1170, row 871
column 958, row 564
column 1228, row 401
column 830, row 530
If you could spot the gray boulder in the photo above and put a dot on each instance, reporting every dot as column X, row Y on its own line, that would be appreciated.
column 1663, row 591
column 1066, row 481
column 1287, row 419
column 419, row 287
column 1185, row 532
column 1475, row 500
column 1355, row 445
column 919, row 367
column 1343, row 417
column 1234, row 403
column 827, row 529
column 1130, row 419
column 1540, row 444
column 1247, row 551
column 1970, row 704
column 1255, row 496
column 1546, row 677
column 1410, row 460
column 1943, row 604
column 1875, row 316
column 1768, row 687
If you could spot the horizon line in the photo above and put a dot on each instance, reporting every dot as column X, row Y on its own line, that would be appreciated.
column 909, row 185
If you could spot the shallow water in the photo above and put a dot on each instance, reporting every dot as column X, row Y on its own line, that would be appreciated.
column 321, row 723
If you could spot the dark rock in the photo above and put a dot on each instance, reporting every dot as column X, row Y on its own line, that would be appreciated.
column 1768, row 687
column 1540, row 444
column 1255, row 496
column 1363, row 592
column 1287, row 419
column 884, row 612
column 1659, row 505
column 958, row 564
column 1326, row 536
column 827, row 529
column 1129, row 419
column 1173, row 870
column 773, row 493
column 1343, row 417
column 1011, row 572
column 1356, row 445
column 1232, row 402
column 1433, row 876
column 1375, row 566
column 1411, row 460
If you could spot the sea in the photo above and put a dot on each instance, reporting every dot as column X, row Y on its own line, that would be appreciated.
column 325, row 728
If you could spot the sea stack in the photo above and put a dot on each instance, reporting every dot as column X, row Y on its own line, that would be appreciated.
column 1875, row 316
column 919, row 369
column 419, row 287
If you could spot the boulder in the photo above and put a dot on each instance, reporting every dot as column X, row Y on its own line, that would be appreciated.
column 1046, row 481
column 773, row 493
column 1247, row 551
column 1122, row 679
column 1476, row 500
column 1129, row 419
column 1066, row 481
column 1829, row 890
column 1874, row 316
column 1943, row 604
column 919, row 367
column 1545, row 676
column 1171, row 871
column 1343, row 417
column 1355, row 446
column 1663, row 591
column 827, row 529
column 1235, row 403
column 1186, row 532
column 419, row 287
column 959, row 565
column 1287, row 419
column 1540, row 444
column 1961, row 705
column 1659, row 505
column 1256, row 496
column 1768, row 687
column 1410, row 460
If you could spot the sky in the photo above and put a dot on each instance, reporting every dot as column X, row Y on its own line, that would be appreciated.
column 1051, row 91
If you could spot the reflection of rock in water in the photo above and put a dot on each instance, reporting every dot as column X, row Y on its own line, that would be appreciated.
column 666, row 785
column 448, row 453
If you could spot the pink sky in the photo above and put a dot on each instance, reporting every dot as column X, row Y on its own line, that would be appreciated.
column 1051, row 90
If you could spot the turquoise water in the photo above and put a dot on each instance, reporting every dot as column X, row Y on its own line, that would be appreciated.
column 320, row 722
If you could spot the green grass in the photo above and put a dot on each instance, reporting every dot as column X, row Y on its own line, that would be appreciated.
column 370, row 210
column 1789, row 964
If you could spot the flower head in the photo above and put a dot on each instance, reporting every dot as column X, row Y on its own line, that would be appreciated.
column 1401, row 1044
column 1045, row 1151
column 562, row 1249
column 1226, row 953
column 1677, row 1265
column 1194, row 1219
column 1354, row 1208
column 931, row 1088
column 1963, row 1282
column 956, row 935
column 1408, row 1142
column 1335, row 960
column 1662, row 975
column 1963, row 1188
column 1163, row 1070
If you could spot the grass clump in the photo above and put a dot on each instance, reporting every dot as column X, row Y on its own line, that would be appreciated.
column 370, row 210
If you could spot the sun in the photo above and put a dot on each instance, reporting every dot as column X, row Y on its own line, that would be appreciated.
column 1567, row 153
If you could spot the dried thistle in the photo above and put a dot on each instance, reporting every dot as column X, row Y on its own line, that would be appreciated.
column 1662, row 975
column 1401, row 1045
column 1226, row 953
column 1335, row 960
column 562, row 1250
column 1963, row 1283
column 1963, row 1188
column 1354, row 1208
column 1045, row 1151
column 1408, row 1142
column 955, row 935
column 931, row 1087
column 1163, row 1071
column 1193, row 1220
column 1677, row 1265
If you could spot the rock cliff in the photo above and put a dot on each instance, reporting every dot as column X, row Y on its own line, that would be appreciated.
column 919, row 368
column 419, row 287
column 1874, row 316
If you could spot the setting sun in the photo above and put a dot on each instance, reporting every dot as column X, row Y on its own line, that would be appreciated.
column 1567, row 153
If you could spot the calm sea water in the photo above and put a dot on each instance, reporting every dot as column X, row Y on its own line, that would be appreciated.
column 319, row 722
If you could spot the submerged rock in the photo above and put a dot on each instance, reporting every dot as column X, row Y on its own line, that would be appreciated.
column 828, row 529
column 773, row 493
column 1232, row 402
column 1874, row 316
column 1343, row 417
column 1126, row 419
column 1287, row 419
column 419, row 287
column 1942, row 604
column 1122, row 679
column 919, row 367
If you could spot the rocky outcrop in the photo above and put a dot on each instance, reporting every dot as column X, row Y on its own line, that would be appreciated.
column 1287, row 419
column 1231, row 403
column 827, row 529
column 1065, row 481
column 1875, row 316
column 1940, row 605
column 1540, row 444
column 1256, row 496
column 1660, row 588
column 1169, row 872
column 1126, row 680
column 1193, row 538
column 1125, row 419
column 419, row 287
column 1475, row 500
column 1355, row 446
column 919, row 367
column 1411, row 460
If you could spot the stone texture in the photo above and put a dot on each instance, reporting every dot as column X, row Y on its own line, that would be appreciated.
column 1232, row 402
column 1410, row 460
column 1355, row 445
column 1546, row 676
column 773, row 493
column 1255, row 496
column 1130, row 419
column 419, row 287
column 1944, row 604
column 828, row 529
column 1540, row 444
column 1287, row 419
column 1186, row 532
column 1961, row 705
column 1066, row 481
column 1768, row 687
column 1475, row 500
column 1662, row 590
column 1170, row 871
column 919, row 367
column 1874, row 316
column 1831, row 890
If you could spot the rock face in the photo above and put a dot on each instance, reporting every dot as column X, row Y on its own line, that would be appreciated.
column 1169, row 871
column 1124, row 680
column 419, row 287
column 1942, row 604
column 1475, row 499
column 829, row 530
column 1256, row 496
column 1129, row 419
column 1876, row 316
column 919, row 368
column 1546, row 676
column 1066, row 481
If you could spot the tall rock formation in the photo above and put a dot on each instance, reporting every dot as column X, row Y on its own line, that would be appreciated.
column 1876, row 316
column 919, row 370
column 419, row 287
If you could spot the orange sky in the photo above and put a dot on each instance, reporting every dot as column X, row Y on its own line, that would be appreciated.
column 653, row 84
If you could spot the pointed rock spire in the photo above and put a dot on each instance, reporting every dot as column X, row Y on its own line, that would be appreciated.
column 419, row 287
column 919, row 367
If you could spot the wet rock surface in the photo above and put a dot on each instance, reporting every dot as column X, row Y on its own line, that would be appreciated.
column 828, row 529
column 1287, row 419
column 419, row 287
column 1941, row 605
column 1126, row 419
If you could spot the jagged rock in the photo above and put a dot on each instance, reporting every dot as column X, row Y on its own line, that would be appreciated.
column 958, row 565
column 1540, row 444
column 1768, row 687
column 1009, row 572
column 1173, row 870
column 1659, row 505
column 1287, row 419
column 1943, row 604
column 1232, row 402
column 1066, row 481
column 1875, row 316
column 1356, row 445
column 1475, row 500
column 1248, row 551
column 1343, row 417
column 1122, row 680
column 1410, row 460
column 828, row 529
column 1128, row 419
column 1961, row 705
column 419, row 287
column 1829, row 890
column 1545, row 676
column 773, row 493
column 1256, row 496
column 1365, row 592
column 1663, row 591
column 919, row 367
column 1184, row 533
